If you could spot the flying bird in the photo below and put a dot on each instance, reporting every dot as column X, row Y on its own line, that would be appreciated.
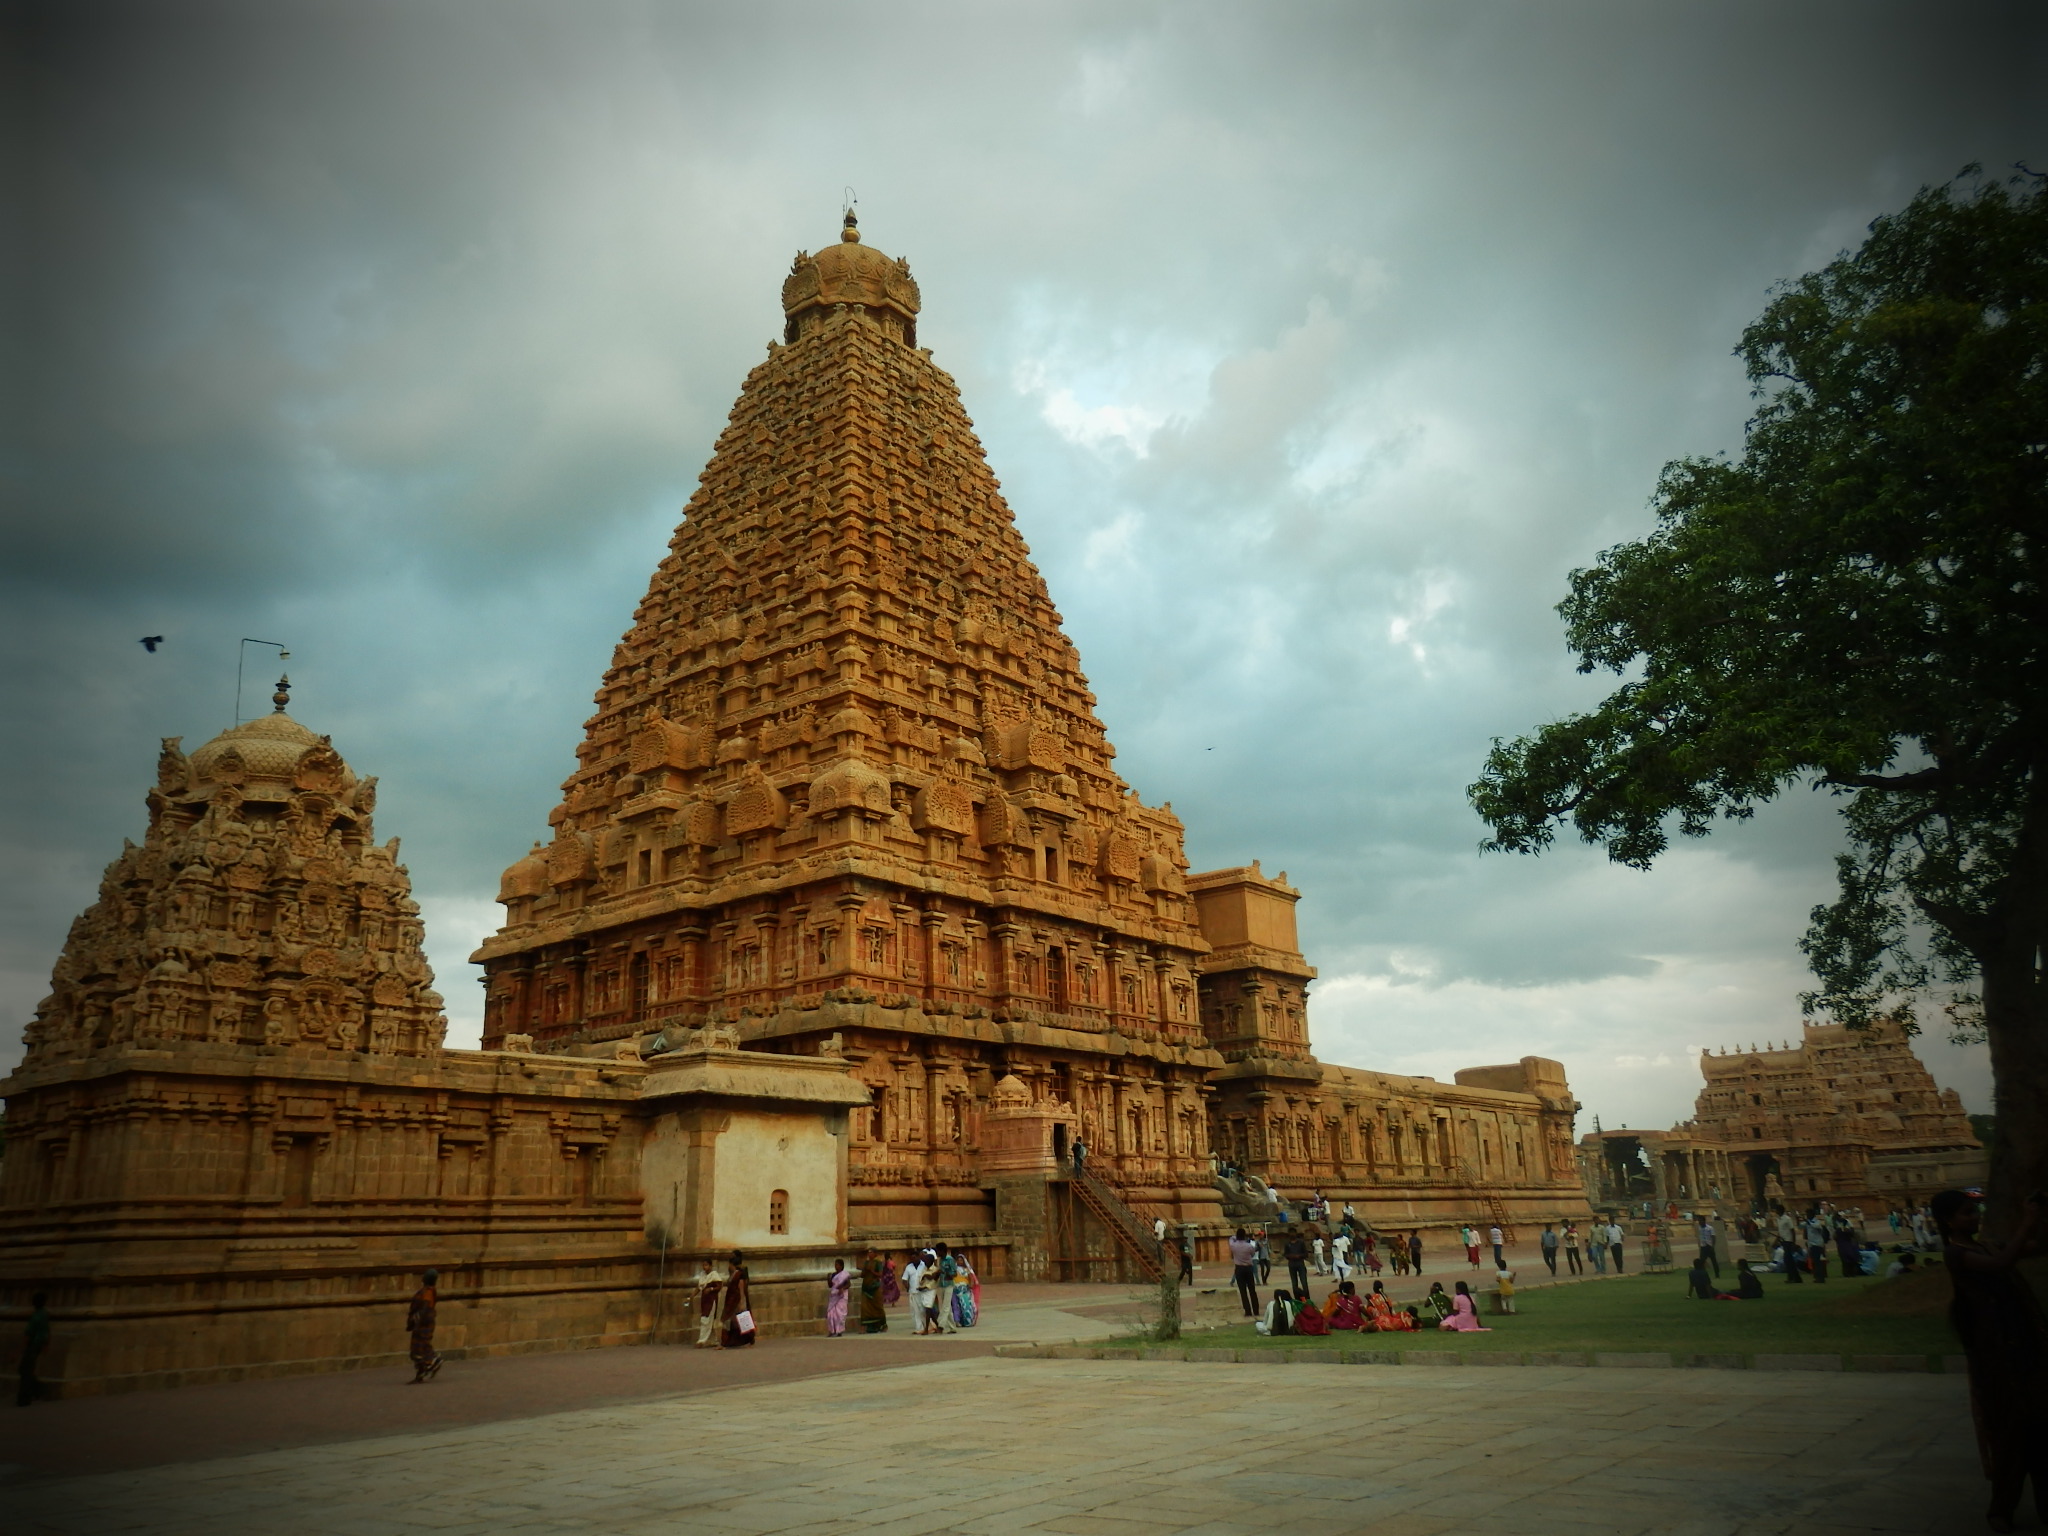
column 151, row 642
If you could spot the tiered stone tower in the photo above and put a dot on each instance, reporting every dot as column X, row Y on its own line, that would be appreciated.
column 845, row 781
column 1845, row 1115
column 845, row 777
column 259, row 910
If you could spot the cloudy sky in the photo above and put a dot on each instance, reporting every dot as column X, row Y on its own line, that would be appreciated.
column 1314, row 345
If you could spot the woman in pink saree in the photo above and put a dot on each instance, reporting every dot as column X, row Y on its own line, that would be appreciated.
column 1464, row 1316
column 838, row 1286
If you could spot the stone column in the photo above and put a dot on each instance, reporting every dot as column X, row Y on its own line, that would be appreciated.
column 908, row 967
column 767, row 929
column 1003, row 985
column 690, row 948
column 850, row 908
column 934, row 924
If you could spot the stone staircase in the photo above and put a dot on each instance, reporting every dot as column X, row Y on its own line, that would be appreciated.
column 1489, row 1196
column 1130, row 1231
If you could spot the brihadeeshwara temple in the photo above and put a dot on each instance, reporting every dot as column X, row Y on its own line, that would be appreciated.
column 845, row 932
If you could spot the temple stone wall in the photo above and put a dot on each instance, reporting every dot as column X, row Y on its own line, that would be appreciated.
column 222, row 1212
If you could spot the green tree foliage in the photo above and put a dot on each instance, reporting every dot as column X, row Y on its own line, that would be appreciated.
column 1855, row 604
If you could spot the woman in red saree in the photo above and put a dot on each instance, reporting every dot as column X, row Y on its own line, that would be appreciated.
column 1310, row 1319
column 738, row 1314
column 1346, row 1310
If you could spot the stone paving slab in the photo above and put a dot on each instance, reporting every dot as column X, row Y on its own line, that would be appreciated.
column 984, row 1446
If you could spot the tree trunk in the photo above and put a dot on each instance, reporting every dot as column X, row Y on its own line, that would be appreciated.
column 2016, row 1024
column 1169, row 1298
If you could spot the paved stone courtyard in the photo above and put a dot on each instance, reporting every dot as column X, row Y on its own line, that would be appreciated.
column 983, row 1445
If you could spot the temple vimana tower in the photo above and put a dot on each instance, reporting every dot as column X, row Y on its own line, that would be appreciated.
column 845, row 778
column 845, row 914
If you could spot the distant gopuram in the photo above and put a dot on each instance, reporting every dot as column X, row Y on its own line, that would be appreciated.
column 1849, row 1116
column 845, row 778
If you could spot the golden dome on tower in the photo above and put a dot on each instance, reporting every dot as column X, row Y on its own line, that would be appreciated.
column 850, row 276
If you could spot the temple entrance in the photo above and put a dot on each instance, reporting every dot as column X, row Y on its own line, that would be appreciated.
column 1628, row 1169
column 1762, row 1168
column 1059, row 1144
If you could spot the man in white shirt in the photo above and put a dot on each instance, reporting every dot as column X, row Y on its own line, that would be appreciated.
column 1340, row 1255
column 1158, row 1229
column 1709, row 1253
column 1322, row 1264
column 920, row 1301
column 1614, row 1236
column 1495, row 1236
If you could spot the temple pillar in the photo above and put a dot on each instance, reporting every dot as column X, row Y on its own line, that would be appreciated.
column 934, row 926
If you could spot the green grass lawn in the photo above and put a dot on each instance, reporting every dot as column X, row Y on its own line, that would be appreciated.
column 1652, row 1312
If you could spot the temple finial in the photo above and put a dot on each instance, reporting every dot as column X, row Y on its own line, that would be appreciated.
column 283, row 696
column 850, row 226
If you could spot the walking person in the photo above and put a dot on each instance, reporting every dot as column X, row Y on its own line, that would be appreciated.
column 1080, row 1155
column 738, row 1309
column 837, row 1286
column 1496, row 1237
column 1321, row 1253
column 1340, row 1254
column 1469, row 1236
column 913, row 1286
column 1849, row 1248
column 709, row 1287
column 1614, row 1241
column 1710, row 1253
column 1295, row 1251
column 1548, row 1243
column 1264, row 1243
column 419, row 1323
column 1415, row 1250
column 1596, row 1247
column 943, row 1276
column 874, row 1314
column 966, row 1292
column 2006, row 1346
column 1572, row 1263
column 1244, row 1271
column 1187, row 1258
column 35, row 1338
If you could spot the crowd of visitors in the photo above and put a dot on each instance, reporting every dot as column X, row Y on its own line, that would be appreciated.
column 940, row 1284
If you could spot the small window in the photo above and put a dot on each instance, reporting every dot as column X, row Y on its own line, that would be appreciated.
column 778, row 1212
column 647, row 866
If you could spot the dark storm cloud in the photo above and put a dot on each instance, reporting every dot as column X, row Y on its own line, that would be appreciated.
column 1315, row 344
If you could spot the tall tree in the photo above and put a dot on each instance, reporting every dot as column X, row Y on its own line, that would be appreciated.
column 1855, row 604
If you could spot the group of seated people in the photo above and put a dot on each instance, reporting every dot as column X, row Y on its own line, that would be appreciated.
column 1373, row 1312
